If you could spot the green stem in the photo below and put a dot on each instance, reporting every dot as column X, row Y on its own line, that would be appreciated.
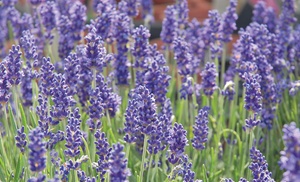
column 149, row 167
column 143, row 158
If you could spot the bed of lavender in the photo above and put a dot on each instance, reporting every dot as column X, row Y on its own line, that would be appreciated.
column 84, row 96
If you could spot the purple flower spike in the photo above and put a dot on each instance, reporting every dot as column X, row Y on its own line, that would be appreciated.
column 157, row 79
column 209, row 76
column 259, row 166
column 110, row 100
column 122, row 26
column 118, row 164
column 265, row 15
column 177, row 142
column 21, row 139
column 228, row 24
column 104, row 23
column 73, row 134
column 253, row 96
column 71, row 71
column 130, row 7
column 4, row 85
column 48, row 12
column 183, row 56
column 290, row 159
column 14, row 64
column 37, row 147
column 141, row 120
column 214, row 33
column 252, row 121
column 78, row 18
column 183, row 168
column 140, row 48
column 62, row 97
column 95, row 51
column 169, row 26
column 200, row 129
column 103, row 151
column 182, row 20
column 47, row 76
column 27, row 43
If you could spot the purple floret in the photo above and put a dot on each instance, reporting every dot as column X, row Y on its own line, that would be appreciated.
column 118, row 164
column 290, row 156
column 259, row 166
column 103, row 151
column 200, row 129
column 209, row 76
column 37, row 150
column 177, row 143
column 14, row 63
column 73, row 134
column 21, row 141
column 253, row 95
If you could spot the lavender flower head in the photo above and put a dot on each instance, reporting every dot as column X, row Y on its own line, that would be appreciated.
column 47, row 76
column 214, row 33
column 252, row 121
column 62, row 97
column 177, row 143
column 228, row 24
column 78, row 18
column 141, row 120
column 253, row 95
column 183, row 56
column 27, row 43
column 95, row 51
column 122, row 26
column 48, row 12
column 184, row 169
column 14, row 64
column 140, row 48
column 103, row 151
column 130, row 7
column 73, row 134
column 182, row 20
column 37, row 147
column 4, row 85
column 209, row 75
column 290, row 160
column 169, row 25
column 21, row 139
column 200, row 129
column 265, row 15
column 259, row 166
column 118, row 164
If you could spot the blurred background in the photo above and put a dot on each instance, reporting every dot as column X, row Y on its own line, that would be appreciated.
column 197, row 9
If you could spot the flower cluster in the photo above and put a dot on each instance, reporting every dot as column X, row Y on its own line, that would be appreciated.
column 259, row 166
column 289, row 160
column 201, row 129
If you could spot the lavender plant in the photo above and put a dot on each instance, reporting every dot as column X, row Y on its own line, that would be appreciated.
column 86, row 96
